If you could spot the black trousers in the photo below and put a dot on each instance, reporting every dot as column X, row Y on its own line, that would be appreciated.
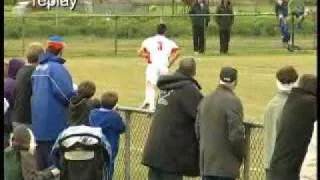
column 156, row 174
column 43, row 158
column 198, row 38
column 224, row 40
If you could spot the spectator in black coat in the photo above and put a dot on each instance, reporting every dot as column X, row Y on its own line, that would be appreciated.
column 199, row 25
column 224, row 24
column 21, row 113
column 172, row 149
column 296, row 127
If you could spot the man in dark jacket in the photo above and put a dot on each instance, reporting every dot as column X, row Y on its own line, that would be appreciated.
column 220, row 129
column 21, row 113
column 199, row 24
column 52, row 89
column 171, row 150
column 296, row 127
column 224, row 24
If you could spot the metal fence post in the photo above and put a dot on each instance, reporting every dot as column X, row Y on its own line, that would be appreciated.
column 246, row 164
column 23, row 35
column 127, row 146
column 116, row 36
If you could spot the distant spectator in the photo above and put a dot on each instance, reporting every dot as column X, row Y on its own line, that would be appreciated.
column 81, row 105
column 19, row 158
column 171, row 150
column 282, row 13
column 224, row 24
column 110, row 121
column 286, row 78
column 220, row 129
column 51, row 93
column 21, row 113
column 14, row 66
column 309, row 166
column 296, row 127
column 199, row 25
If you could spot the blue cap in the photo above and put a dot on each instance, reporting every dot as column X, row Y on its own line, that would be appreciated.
column 55, row 39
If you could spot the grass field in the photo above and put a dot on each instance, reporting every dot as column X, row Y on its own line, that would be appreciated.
column 256, row 75
column 93, row 60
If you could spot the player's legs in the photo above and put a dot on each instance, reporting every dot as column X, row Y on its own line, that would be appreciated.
column 151, row 81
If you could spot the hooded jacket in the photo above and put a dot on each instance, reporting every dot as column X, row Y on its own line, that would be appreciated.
column 79, row 110
column 51, row 91
column 296, row 127
column 172, row 145
column 9, row 84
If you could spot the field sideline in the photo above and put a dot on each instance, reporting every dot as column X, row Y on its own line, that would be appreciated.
column 256, row 76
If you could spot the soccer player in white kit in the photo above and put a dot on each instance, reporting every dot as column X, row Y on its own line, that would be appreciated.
column 161, row 53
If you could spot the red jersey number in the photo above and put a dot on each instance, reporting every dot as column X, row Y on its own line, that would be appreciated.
column 160, row 45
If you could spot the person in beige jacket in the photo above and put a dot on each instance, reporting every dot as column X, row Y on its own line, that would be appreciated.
column 286, row 78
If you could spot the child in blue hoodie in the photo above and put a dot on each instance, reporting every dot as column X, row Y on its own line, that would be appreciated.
column 109, row 121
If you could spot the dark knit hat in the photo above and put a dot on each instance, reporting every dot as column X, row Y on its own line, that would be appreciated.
column 228, row 74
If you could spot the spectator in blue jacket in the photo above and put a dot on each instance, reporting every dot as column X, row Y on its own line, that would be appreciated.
column 282, row 13
column 52, row 89
column 110, row 121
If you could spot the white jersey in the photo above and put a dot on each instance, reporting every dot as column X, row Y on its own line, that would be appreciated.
column 159, row 48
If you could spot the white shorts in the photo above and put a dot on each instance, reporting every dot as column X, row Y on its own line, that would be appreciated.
column 153, row 73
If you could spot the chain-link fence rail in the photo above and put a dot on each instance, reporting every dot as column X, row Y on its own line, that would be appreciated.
column 128, row 163
column 105, row 35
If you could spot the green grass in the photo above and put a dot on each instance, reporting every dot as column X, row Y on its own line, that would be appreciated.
column 102, row 47
column 257, row 60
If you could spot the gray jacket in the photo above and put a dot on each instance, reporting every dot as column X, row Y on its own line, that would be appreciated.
column 272, row 117
column 220, row 130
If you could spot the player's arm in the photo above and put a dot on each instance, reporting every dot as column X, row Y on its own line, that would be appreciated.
column 175, row 53
column 141, row 52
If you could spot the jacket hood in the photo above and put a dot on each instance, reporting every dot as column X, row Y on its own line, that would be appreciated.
column 49, row 56
column 14, row 67
column 176, row 81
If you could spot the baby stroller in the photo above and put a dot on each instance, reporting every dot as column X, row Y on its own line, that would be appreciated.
column 82, row 153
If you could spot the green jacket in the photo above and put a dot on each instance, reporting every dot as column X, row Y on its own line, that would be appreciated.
column 12, row 164
column 224, row 22
column 272, row 124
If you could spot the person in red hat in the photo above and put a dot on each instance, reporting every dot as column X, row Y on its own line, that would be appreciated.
column 52, row 88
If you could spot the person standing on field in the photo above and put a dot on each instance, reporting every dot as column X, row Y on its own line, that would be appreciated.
column 286, row 78
column 224, row 24
column 199, row 25
column 161, row 53
column 51, row 92
column 220, row 130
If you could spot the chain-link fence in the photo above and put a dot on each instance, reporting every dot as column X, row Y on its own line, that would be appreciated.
column 108, row 35
column 128, row 163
